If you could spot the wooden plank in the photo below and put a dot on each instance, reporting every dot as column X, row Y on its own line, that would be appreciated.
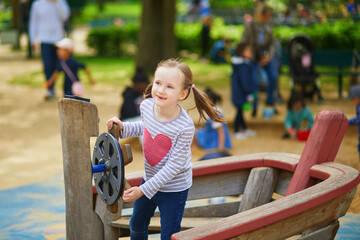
column 214, row 210
column 326, row 232
column 284, row 178
column 186, row 223
column 210, row 210
column 109, row 213
column 79, row 122
column 322, row 146
column 285, row 161
column 338, row 191
column 278, row 230
column 226, row 164
column 219, row 184
column 259, row 187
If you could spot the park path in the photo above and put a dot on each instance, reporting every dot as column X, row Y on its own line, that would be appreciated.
column 30, row 141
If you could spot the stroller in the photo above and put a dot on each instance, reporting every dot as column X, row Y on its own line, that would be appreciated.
column 304, row 77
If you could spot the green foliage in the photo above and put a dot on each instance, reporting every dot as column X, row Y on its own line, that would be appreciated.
column 243, row 4
column 188, row 35
column 341, row 35
column 109, row 41
column 111, row 10
column 125, row 10
column 5, row 19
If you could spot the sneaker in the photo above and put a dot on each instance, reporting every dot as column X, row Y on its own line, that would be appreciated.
column 253, row 113
column 241, row 135
column 250, row 133
column 50, row 95
column 285, row 136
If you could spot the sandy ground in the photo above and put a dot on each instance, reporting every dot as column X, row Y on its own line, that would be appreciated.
column 30, row 142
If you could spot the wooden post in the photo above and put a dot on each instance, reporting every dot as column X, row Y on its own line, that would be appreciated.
column 110, row 213
column 79, row 122
column 259, row 187
column 322, row 146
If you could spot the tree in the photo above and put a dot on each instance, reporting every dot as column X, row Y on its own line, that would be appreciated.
column 16, row 21
column 156, row 38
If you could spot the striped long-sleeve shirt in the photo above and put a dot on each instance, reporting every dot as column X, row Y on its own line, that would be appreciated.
column 167, row 150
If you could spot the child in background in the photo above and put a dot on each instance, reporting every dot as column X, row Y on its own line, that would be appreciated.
column 355, row 98
column 298, row 115
column 69, row 66
column 168, row 132
column 214, row 136
column 220, row 51
column 243, row 88
column 133, row 96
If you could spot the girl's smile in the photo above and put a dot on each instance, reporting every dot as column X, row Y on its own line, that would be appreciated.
column 168, row 87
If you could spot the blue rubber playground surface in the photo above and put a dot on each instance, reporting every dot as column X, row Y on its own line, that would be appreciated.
column 37, row 211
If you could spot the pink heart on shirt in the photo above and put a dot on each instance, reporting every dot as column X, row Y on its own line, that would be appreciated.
column 155, row 149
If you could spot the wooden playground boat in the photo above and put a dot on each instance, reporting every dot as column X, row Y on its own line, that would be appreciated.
column 269, row 195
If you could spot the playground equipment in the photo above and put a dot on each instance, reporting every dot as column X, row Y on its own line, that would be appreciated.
column 282, row 194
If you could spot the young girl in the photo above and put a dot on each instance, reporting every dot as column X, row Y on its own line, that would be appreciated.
column 243, row 88
column 298, row 115
column 168, row 133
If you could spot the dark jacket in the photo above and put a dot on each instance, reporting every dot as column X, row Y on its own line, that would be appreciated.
column 242, row 83
column 131, row 103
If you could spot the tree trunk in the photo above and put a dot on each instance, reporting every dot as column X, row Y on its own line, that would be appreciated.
column 156, row 37
column 16, row 21
column 101, row 4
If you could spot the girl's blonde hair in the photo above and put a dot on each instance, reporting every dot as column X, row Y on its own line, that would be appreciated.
column 202, row 102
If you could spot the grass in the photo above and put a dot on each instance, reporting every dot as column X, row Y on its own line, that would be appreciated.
column 118, row 72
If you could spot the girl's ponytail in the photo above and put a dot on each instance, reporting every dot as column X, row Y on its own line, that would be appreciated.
column 204, row 105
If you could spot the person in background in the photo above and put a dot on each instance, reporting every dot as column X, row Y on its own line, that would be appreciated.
column 298, row 116
column 205, row 35
column 220, row 51
column 133, row 96
column 352, row 8
column 355, row 98
column 243, row 88
column 259, row 34
column 214, row 136
column 46, row 26
column 70, row 66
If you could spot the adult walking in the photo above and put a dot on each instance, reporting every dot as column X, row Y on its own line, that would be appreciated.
column 259, row 34
column 46, row 26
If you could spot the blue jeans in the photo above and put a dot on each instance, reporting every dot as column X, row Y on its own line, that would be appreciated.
column 171, row 206
column 49, row 58
column 272, row 79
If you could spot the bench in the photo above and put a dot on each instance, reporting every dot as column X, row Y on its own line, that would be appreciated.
column 339, row 59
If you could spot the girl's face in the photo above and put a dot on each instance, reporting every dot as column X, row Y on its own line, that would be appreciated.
column 247, row 52
column 63, row 54
column 297, row 106
column 168, row 87
column 355, row 101
column 266, row 16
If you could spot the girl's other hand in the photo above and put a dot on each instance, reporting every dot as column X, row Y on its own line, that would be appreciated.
column 132, row 194
column 113, row 120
